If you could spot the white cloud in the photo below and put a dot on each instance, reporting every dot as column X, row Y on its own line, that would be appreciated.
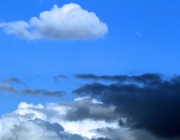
column 69, row 22
column 56, row 113
column 49, row 123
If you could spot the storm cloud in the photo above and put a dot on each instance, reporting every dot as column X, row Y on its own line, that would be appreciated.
column 149, row 102
column 70, row 22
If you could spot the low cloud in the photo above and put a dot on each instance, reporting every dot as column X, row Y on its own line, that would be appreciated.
column 63, row 113
column 86, row 108
column 51, row 122
column 148, row 102
column 13, row 128
column 69, row 22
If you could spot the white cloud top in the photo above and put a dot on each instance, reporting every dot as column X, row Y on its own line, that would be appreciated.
column 69, row 22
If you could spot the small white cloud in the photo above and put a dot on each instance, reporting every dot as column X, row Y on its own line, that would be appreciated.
column 69, row 22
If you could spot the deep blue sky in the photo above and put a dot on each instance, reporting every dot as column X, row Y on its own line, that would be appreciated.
column 143, row 37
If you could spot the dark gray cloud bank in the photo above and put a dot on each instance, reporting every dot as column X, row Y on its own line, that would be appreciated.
column 149, row 102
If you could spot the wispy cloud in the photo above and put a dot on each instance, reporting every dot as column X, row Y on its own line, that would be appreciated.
column 4, row 87
column 69, row 22
column 14, row 79
column 139, row 34
column 56, row 78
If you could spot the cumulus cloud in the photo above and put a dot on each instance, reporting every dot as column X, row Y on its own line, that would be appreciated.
column 130, row 108
column 70, row 22
column 65, row 114
column 50, row 122
column 148, row 102
column 14, row 129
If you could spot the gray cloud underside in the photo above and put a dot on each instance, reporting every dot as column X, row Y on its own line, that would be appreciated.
column 148, row 101
column 69, row 22
column 86, row 109
column 4, row 87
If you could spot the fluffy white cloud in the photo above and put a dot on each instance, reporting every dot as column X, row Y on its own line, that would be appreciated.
column 56, row 113
column 11, row 128
column 69, row 22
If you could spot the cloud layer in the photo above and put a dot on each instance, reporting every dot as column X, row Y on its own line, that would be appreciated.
column 126, row 107
column 52, row 122
column 69, row 22
column 148, row 102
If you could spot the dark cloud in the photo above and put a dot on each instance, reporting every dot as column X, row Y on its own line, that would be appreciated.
column 103, row 77
column 149, row 101
column 144, row 78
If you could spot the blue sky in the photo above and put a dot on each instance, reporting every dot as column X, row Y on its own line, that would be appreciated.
column 122, row 38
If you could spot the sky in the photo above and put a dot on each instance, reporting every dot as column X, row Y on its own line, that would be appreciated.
column 90, row 70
